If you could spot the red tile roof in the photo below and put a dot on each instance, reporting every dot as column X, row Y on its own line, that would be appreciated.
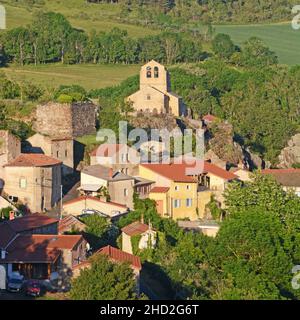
column 160, row 190
column 219, row 172
column 39, row 248
column 209, row 118
column 33, row 160
column 69, row 222
column 83, row 198
column 177, row 172
column 6, row 234
column 107, row 150
column 286, row 177
column 30, row 222
column 135, row 228
column 121, row 256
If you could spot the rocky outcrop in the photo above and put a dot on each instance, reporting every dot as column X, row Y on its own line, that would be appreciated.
column 291, row 154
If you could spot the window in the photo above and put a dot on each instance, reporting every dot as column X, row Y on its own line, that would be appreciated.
column 149, row 72
column 156, row 72
column 23, row 183
column 148, row 97
column 125, row 192
column 176, row 188
column 57, row 154
column 188, row 187
column 177, row 203
column 66, row 153
column 189, row 203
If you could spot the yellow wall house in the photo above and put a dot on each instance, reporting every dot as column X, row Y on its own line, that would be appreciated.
column 180, row 196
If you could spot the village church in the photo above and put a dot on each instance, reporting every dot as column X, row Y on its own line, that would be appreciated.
column 155, row 94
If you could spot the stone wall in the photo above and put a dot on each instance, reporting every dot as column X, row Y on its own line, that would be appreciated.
column 65, row 120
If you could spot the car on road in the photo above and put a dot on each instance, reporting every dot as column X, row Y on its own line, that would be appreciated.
column 15, row 284
column 33, row 288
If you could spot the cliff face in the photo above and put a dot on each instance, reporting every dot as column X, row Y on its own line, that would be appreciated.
column 291, row 154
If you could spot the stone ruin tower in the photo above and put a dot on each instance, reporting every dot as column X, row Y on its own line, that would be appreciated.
column 68, row 120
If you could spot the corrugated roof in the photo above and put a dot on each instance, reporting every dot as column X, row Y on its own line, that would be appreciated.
column 33, row 160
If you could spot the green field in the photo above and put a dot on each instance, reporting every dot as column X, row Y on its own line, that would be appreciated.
column 281, row 38
column 82, row 15
column 88, row 75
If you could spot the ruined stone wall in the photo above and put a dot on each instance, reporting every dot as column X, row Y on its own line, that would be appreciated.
column 65, row 120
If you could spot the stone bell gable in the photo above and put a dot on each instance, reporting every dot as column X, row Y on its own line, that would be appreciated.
column 68, row 120
column 155, row 94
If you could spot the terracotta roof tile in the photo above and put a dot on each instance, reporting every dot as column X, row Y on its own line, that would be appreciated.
column 135, row 228
column 121, row 256
column 30, row 221
column 160, row 190
column 39, row 248
column 177, row 172
column 33, row 160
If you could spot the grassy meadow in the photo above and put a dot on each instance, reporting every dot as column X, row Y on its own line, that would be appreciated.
column 89, row 76
column 281, row 38
column 82, row 15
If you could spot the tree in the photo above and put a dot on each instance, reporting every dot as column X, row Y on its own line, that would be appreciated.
column 223, row 46
column 266, row 194
column 99, row 232
column 256, row 54
column 252, row 257
column 105, row 280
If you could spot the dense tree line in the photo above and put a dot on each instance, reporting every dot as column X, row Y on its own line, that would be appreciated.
column 51, row 38
column 183, row 12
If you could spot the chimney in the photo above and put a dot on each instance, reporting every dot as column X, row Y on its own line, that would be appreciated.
column 11, row 215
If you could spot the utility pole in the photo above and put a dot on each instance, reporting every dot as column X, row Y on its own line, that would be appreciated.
column 61, row 197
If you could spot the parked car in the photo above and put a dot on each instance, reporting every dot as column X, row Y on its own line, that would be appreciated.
column 33, row 288
column 15, row 284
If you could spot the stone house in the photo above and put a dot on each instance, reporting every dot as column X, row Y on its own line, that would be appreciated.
column 155, row 94
column 120, row 186
column 61, row 149
column 147, row 235
column 66, row 120
column 119, row 157
column 35, row 180
column 10, row 148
